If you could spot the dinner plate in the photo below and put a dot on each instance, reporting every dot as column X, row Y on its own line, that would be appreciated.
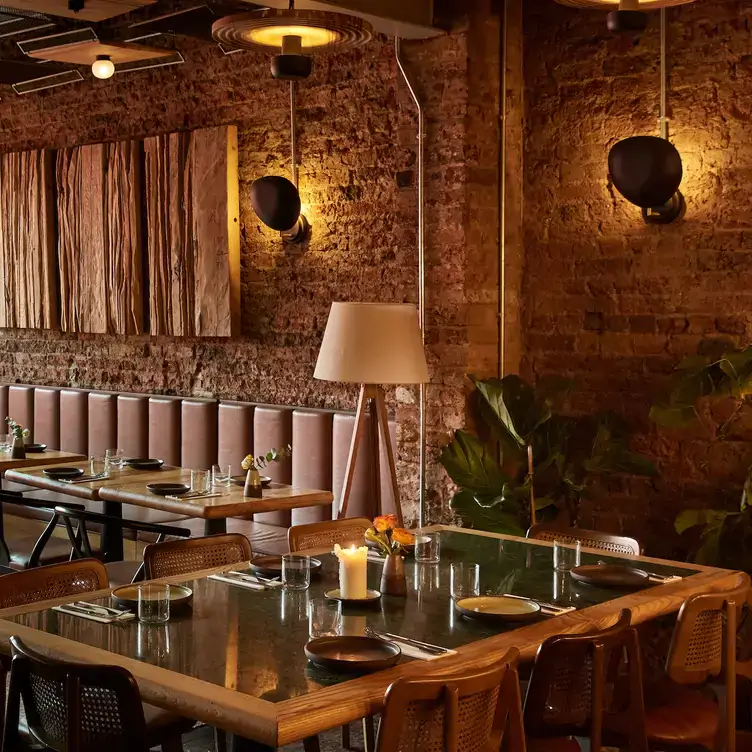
column 127, row 596
column 36, row 448
column 63, row 472
column 239, row 480
column 352, row 654
column 498, row 608
column 610, row 575
column 372, row 596
column 168, row 489
column 271, row 566
column 141, row 463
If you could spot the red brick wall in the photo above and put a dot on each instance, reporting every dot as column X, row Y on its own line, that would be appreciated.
column 609, row 300
column 357, row 148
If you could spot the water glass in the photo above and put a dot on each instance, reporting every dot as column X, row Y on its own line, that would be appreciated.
column 324, row 618
column 153, row 603
column 114, row 457
column 200, row 481
column 97, row 465
column 221, row 476
column 6, row 441
column 464, row 580
column 296, row 572
column 566, row 555
column 427, row 550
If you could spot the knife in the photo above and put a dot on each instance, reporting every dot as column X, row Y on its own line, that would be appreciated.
column 424, row 646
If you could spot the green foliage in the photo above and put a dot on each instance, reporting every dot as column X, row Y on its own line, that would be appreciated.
column 718, row 371
column 490, row 467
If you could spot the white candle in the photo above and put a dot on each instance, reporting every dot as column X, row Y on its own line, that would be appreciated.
column 353, row 566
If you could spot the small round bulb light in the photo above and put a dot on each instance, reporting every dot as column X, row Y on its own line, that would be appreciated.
column 103, row 67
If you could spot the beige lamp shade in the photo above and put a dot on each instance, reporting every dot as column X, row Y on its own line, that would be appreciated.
column 372, row 343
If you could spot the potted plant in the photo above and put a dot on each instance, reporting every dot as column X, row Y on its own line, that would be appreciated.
column 20, row 434
column 523, row 449
column 390, row 541
column 719, row 373
column 253, row 466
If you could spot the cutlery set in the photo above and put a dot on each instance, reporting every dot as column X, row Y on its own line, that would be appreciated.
column 425, row 647
column 85, row 478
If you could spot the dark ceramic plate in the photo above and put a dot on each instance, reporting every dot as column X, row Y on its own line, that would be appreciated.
column 36, row 448
column 63, row 472
column 127, row 596
column 168, row 489
column 498, row 608
column 271, row 566
column 372, row 596
column 138, row 463
column 352, row 654
column 610, row 576
column 239, row 480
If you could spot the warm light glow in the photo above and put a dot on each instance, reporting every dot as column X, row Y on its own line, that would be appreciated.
column 311, row 36
column 103, row 67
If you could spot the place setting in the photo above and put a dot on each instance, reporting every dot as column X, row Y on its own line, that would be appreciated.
column 204, row 484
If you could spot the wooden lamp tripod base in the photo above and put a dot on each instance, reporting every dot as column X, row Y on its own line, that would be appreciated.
column 371, row 399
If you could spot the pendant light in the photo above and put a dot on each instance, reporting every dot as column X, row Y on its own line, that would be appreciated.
column 647, row 170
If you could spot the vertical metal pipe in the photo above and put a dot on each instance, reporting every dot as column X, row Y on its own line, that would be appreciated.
column 294, row 132
column 503, row 198
column 421, row 274
column 663, row 119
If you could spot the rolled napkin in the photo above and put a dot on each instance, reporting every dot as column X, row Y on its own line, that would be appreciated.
column 353, row 571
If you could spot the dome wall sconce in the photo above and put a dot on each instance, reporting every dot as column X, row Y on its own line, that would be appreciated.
column 103, row 67
column 647, row 170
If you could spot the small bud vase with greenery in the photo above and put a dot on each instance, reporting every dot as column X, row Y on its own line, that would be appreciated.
column 253, row 466
column 19, row 434
column 390, row 541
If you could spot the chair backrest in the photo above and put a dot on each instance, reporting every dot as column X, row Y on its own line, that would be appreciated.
column 351, row 530
column 615, row 544
column 704, row 639
column 469, row 711
column 52, row 581
column 194, row 555
column 72, row 707
column 573, row 688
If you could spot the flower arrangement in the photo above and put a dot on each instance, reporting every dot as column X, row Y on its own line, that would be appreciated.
column 18, row 431
column 389, row 538
column 273, row 455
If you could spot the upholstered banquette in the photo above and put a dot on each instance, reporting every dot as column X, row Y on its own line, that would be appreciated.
column 196, row 433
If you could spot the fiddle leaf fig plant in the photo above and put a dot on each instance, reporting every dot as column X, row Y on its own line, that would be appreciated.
column 514, row 419
column 719, row 371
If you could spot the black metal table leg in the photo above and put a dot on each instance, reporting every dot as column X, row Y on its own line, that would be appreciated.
column 215, row 527
column 112, row 535
column 4, row 551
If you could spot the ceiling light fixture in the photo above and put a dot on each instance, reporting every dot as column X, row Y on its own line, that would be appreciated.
column 103, row 67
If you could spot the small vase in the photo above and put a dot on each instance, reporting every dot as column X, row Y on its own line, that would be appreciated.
column 252, row 488
column 393, row 580
column 18, row 451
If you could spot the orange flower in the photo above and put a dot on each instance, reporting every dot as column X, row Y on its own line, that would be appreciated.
column 385, row 522
column 405, row 537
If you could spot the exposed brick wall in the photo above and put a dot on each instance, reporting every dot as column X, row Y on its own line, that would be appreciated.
column 358, row 185
column 609, row 300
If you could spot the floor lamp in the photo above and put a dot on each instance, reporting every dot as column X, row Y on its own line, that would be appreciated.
column 372, row 344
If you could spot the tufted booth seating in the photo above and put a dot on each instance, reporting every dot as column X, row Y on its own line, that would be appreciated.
column 196, row 433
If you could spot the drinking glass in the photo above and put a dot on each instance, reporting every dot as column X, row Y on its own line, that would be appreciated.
column 427, row 548
column 296, row 572
column 97, row 465
column 566, row 555
column 464, row 580
column 199, row 481
column 324, row 618
column 6, row 440
column 221, row 475
column 114, row 457
column 153, row 603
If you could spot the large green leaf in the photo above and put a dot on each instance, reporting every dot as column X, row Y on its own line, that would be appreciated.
column 493, row 519
column 610, row 453
column 473, row 465
column 692, row 517
column 737, row 366
column 673, row 416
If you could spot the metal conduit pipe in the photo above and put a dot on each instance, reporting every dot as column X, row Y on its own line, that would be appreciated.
column 421, row 274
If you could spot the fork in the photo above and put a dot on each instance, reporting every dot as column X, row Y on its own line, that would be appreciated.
column 424, row 646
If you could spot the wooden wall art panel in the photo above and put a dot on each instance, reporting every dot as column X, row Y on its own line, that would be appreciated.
column 99, row 238
column 28, row 289
column 193, row 232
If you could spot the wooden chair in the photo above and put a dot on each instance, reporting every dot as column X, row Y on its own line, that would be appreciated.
column 195, row 554
column 468, row 711
column 577, row 688
column 614, row 544
column 74, row 707
column 346, row 531
column 703, row 646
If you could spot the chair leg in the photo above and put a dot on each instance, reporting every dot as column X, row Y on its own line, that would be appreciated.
column 220, row 740
column 369, row 734
column 311, row 744
column 346, row 736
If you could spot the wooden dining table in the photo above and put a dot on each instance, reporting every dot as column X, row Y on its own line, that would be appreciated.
column 236, row 659
column 128, row 485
